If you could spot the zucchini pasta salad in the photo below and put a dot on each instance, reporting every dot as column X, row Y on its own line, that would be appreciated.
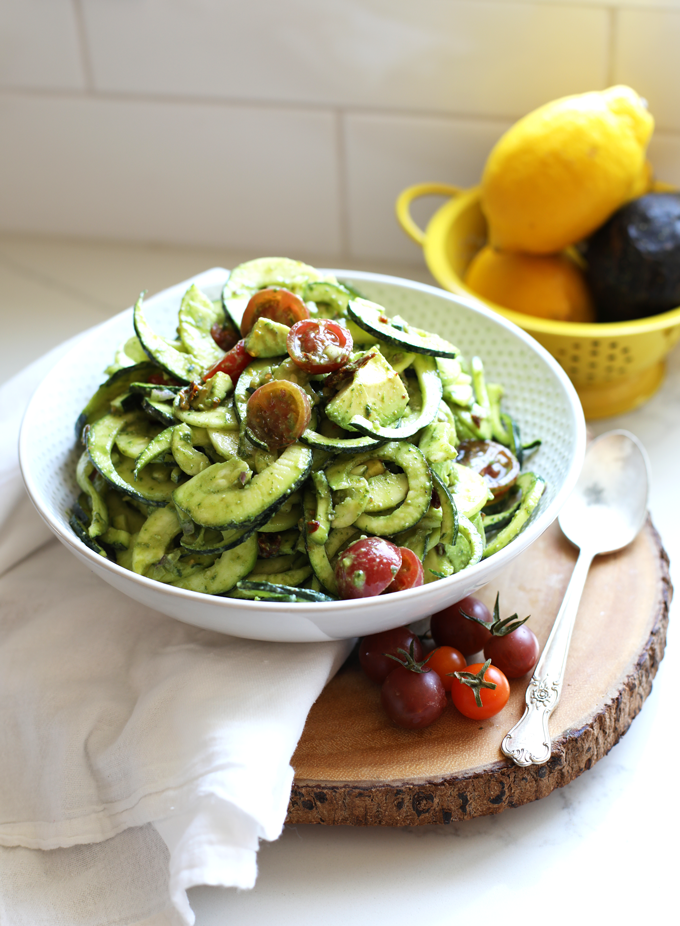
column 293, row 443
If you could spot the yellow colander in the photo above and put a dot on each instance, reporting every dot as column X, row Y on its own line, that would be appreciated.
column 615, row 367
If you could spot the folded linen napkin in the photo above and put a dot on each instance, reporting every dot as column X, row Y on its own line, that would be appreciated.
column 147, row 755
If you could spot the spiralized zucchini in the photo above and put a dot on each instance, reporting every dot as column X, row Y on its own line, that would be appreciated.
column 174, row 488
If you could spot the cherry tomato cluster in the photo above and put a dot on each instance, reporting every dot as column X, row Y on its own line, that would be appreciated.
column 278, row 413
column 414, row 685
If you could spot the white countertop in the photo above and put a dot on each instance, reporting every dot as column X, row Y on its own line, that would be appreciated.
column 600, row 846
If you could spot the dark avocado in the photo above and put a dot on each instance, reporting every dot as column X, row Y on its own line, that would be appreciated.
column 634, row 259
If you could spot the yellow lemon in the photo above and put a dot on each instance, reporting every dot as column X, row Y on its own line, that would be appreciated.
column 545, row 286
column 562, row 170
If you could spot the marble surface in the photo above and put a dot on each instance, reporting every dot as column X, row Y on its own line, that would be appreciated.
column 607, row 829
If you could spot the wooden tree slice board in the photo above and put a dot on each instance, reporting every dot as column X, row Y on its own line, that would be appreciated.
column 354, row 766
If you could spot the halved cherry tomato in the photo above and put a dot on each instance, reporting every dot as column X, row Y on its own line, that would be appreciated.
column 224, row 336
column 278, row 412
column 498, row 465
column 410, row 573
column 413, row 699
column 375, row 651
column 278, row 305
column 445, row 660
column 234, row 363
column 367, row 567
column 319, row 345
column 450, row 627
column 493, row 700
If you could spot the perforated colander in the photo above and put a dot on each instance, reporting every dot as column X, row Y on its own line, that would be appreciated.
column 615, row 367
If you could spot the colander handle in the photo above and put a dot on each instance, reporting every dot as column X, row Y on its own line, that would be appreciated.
column 405, row 198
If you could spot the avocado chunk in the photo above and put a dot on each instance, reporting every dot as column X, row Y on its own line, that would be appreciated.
column 267, row 338
column 375, row 391
column 634, row 259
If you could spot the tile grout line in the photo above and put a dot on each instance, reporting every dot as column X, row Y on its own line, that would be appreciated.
column 83, row 45
column 342, row 184
column 330, row 109
column 611, row 45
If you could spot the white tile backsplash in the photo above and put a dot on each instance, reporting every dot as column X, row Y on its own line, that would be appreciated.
column 233, row 176
column 461, row 56
column 386, row 154
column 39, row 45
column 292, row 125
column 647, row 58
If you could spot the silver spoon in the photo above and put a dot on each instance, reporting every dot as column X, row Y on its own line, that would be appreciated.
column 605, row 512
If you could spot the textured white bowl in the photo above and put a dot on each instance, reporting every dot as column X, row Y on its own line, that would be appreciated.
column 538, row 394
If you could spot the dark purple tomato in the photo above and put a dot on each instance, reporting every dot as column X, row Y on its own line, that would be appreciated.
column 278, row 413
column 497, row 465
column 450, row 627
column 367, row 567
column 514, row 653
column 374, row 650
column 413, row 700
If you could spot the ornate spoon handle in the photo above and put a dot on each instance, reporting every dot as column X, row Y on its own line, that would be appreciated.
column 529, row 743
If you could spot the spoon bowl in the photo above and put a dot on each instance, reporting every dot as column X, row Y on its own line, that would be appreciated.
column 608, row 505
column 605, row 512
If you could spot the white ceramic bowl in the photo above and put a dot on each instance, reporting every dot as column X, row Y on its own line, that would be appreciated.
column 538, row 394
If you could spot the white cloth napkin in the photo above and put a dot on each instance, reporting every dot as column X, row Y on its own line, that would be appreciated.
column 139, row 756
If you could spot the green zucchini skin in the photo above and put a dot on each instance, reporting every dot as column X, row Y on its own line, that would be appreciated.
column 449, row 528
column 366, row 315
column 118, row 383
column 232, row 566
column 230, row 539
column 338, row 444
column 209, row 502
column 184, row 367
column 418, row 497
column 267, row 591
column 100, row 438
column 159, row 411
column 532, row 487
column 81, row 533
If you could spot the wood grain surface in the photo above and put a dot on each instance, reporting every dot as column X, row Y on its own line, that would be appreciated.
column 354, row 766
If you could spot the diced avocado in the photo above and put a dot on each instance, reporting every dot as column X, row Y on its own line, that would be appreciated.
column 267, row 338
column 375, row 391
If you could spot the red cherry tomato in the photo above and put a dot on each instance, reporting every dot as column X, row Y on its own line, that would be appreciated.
column 374, row 650
column 233, row 363
column 224, row 336
column 451, row 628
column 278, row 305
column 413, row 700
column 367, row 567
column 319, row 345
column 515, row 653
column 410, row 573
column 278, row 412
column 445, row 660
column 498, row 465
column 162, row 379
column 493, row 699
